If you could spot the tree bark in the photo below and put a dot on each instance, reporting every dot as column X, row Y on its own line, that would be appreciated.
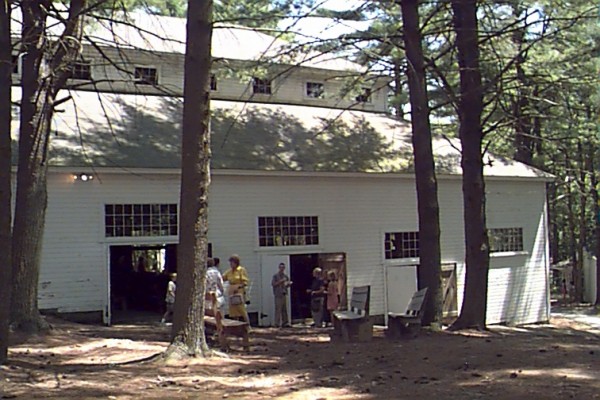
column 429, row 273
column 473, row 311
column 188, row 338
column 5, row 176
column 44, row 72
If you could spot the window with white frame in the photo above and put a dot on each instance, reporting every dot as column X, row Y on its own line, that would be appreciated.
column 132, row 220
column 505, row 239
column 261, row 86
column 145, row 75
column 288, row 231
column 81, row 70
column 315, row 90
column 401, row 245
column 365, row 96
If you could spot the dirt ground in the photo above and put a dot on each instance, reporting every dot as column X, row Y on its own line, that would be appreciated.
column 556, row 361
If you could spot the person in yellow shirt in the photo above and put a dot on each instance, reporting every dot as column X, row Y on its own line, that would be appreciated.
column 237, row 276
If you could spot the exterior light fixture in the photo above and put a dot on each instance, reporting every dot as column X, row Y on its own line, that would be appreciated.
column 83, row 177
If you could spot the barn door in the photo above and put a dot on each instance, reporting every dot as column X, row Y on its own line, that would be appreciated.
column 450, row 305
column 401, row 283
column 336, row 262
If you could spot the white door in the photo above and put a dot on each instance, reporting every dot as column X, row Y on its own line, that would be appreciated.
column 268, row 268
column 401, row 285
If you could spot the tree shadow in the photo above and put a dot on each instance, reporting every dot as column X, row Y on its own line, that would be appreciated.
column 253, row 137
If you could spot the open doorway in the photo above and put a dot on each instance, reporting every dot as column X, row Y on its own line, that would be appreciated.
column 301, row 267
column 138, row 279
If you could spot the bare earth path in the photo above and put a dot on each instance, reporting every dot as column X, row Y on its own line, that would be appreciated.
column 557, row 361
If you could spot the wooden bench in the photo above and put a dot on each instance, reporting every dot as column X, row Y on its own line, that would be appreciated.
column 409, row 323
column 214, row 322
column 354, row 324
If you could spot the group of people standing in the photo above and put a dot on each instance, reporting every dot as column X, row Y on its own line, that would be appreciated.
column 236, row 295
column 323, row 291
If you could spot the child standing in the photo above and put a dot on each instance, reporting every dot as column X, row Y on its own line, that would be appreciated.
column 333, row 298
column 170, row 298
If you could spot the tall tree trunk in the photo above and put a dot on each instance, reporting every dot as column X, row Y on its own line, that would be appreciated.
column 6, row 68
column 582, row 222
column 470, row 108
column 188, row 326
column 573, row 277
column 524, row 144
column 428, row 208
column 44, row 72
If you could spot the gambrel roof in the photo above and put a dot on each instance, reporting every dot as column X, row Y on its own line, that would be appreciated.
column 161, row 34
column 141, row 131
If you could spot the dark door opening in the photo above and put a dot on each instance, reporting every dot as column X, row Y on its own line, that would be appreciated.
column 138, row 278
column 301, row 267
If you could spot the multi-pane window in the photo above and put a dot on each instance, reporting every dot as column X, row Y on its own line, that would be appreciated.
column 315, row 90
column 146, row 76
column 401, row 245
column 261, row 86
column 505, row 239
column 213, row 83
column 127, row 220
column 365, row 96
column 81, row 70
column 288, row 231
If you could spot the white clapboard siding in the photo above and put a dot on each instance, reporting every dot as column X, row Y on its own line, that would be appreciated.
column 354, row 213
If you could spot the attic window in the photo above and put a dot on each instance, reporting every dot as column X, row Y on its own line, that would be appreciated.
column 505, row 239
column 315, row 90
column 365, row 96
column 81, row 70
column 401, row 245
column 146, row 76
column 288, row 231
column 213, row 83
column 261, row 86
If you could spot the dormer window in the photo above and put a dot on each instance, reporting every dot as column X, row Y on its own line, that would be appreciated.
column 213, row 83
column 146, row 76
column 81, row 70
column 15, row 64
column 365, row 96
column 261, row 86
column 315, row 90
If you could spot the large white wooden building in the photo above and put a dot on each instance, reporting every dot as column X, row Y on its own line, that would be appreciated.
column 301, row 175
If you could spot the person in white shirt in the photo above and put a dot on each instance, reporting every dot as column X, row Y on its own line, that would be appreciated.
column 170, row 298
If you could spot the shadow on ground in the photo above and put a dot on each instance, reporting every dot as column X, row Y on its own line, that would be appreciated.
column 554, row 361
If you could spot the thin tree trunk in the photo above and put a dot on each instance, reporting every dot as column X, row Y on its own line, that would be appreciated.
column 5, row 176
column 572, row 278
column 473, row 311
column 582, row 223
column 428, row 208
column 44, row 72
column 188, row 327
column 397, row 103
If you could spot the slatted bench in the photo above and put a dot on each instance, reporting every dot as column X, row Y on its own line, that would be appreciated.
column 214, row 322
column 354, row 324
column 409, row 323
